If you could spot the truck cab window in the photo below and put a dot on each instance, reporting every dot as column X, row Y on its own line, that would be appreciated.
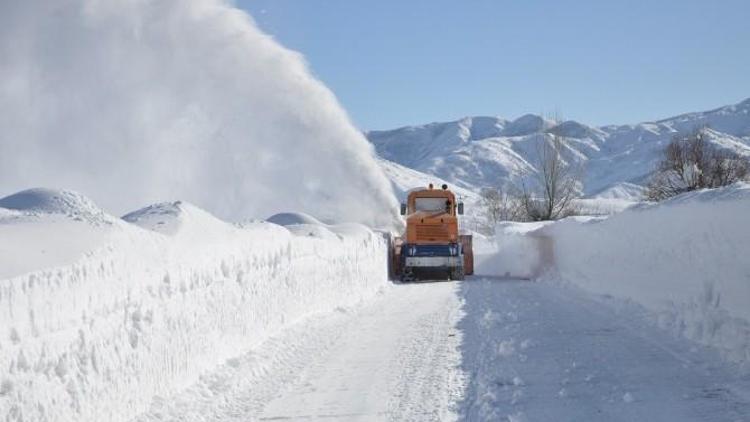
column 431, row 204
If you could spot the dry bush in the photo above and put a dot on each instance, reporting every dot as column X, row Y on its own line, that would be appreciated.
column 548, row 193
column 497, row 206
column 690, row 163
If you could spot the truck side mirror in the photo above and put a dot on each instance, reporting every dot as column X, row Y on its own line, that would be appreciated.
column 460, row 208
column 403, row 209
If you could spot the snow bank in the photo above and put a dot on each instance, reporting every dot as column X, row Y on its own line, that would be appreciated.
column 301, row 224
column 292, row 218
column 40, row 201
column 135, row 102
column 42, row 228
column 138, row 309
column 685, row 260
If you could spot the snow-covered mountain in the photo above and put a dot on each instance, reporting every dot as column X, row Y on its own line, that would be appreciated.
column 490, row 151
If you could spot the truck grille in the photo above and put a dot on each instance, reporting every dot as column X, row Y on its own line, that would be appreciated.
column 432, row 232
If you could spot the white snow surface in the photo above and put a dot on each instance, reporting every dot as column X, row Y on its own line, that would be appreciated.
column 487, row 349
column 684, row 260
column 540, row 351
column 172, row 314
column 292, row 219
column 42, row 228
column 137, row 102
column 97, row 319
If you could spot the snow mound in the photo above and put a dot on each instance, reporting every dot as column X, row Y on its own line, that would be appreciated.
column 44, row 228
column 51, row 201
column 162, row 218
column 301, row 224
column 293, row 218
column 178, row 218
column 311, row 230
column 97, row 322
column 738, row 191
column 684, row 260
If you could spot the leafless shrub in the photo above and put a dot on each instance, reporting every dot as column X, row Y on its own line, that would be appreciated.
column 690, row 163
column 549, row 191
column 497, row 206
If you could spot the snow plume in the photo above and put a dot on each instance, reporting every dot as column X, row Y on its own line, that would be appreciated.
column 134, row 102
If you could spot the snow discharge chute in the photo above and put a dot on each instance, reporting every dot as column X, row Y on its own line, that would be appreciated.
column 137, row 102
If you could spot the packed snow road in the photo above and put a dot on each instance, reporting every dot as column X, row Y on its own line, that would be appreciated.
column 542, row 352
column 483, row 349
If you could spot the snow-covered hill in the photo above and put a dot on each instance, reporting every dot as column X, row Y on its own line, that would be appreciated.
column 490, row 151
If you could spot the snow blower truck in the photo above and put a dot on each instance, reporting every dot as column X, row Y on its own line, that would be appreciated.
column 431, row 247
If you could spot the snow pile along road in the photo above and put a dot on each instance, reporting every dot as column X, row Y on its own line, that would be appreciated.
column 123, row 312
column 685, row 260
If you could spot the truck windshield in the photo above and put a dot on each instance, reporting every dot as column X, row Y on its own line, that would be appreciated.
column 430, row 204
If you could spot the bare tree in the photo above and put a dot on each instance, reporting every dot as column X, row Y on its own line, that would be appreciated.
column 548, row 192
column 491, row 206
column 690, row 163
column 498, row 206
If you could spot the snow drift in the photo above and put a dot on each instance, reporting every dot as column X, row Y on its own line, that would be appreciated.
column 134, row 102
column 684, row 259
column 98, row 315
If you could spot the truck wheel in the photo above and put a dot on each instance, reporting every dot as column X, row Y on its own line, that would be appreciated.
column 407, row 276
column 457, row 274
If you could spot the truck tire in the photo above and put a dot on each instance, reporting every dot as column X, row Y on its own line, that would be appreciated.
column 457, row 274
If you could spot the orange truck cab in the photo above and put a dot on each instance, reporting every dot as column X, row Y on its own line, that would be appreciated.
column 432, row 244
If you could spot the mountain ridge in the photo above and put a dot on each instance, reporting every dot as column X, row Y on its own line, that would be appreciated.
column 744, row 104
column 478, row 151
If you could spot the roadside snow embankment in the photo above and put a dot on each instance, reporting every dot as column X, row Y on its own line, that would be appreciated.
column 137, row 309
column 686, row 260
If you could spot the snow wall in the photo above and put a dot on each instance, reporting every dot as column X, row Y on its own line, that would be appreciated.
column 140, row 314
column 135, row 102
column 686, row 260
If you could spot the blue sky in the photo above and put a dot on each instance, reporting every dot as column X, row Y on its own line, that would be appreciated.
column 394, row 63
